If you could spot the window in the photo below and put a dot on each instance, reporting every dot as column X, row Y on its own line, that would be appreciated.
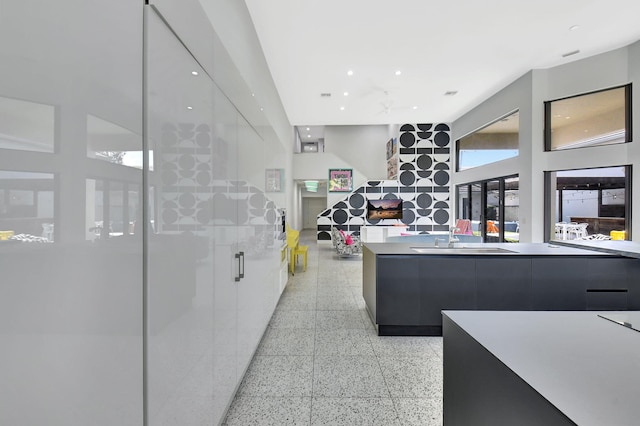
column 492, row 206
column 598, row 198
column 495, row 142
column 597, row 118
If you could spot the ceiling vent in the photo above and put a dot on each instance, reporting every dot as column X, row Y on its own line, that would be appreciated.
column 325, row 95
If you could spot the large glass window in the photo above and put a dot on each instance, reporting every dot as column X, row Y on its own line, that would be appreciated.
column 597, row 118
column 492, row 206
column 588, row 203
column 494, row 142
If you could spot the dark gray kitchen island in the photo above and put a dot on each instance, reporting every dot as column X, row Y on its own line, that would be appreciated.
column 406, row 286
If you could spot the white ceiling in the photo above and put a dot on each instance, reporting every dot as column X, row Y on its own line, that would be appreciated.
column 473, row 47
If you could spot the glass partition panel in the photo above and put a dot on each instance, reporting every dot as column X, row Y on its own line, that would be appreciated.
column 497, row 141
column 26, row 126
column 598, row 118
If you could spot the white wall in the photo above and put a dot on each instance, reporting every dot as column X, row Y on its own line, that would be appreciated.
column 363, row 147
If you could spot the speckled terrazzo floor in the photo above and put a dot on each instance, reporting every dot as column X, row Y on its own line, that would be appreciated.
column 321, row 362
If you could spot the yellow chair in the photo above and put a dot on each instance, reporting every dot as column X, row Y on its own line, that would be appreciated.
column 300, row 250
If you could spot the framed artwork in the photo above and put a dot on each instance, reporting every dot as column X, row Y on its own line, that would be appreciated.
column 389, row 148
column 340, row 180
column 392, row 167
column 273, row 180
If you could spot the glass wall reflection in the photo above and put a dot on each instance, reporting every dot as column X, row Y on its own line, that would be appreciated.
column 71, row 306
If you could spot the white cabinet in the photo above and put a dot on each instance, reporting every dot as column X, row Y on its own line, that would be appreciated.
column 209, row 171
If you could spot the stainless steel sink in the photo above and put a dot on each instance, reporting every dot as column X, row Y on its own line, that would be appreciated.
column 461, row 250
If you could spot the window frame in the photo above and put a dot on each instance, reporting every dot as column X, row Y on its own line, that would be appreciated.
column 627, row 117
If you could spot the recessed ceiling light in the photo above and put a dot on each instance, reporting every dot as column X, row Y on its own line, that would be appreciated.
column 574, row 27
column 398, row 72
column 415, row 107
column 450, row 92
column 341, row 108
column 568, row 117
column 308, row 129
column 349, row 73
column 253, row 94
column 261, row 109
column 308, row 136
column 346, row 93
column 189, row 107
column 194, row 72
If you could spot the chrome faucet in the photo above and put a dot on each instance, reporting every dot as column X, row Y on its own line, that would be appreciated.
column 452, row 238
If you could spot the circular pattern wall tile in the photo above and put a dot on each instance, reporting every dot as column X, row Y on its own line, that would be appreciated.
column 340, row 216
column 441, row 139
column 408, row 216
column 324, row 236
column 407, row 178
column 441, row 217
column 424, row 162
column 356, row 201
column 424, row 200
column 424, row 174
column 407, row 140
column 441, row 178
column 407, row 128
column 442, row 127
column 356, row 212
column 408, row 165
column 425, row 127
column 270, row 217
column 424, row 135
column 441, row 205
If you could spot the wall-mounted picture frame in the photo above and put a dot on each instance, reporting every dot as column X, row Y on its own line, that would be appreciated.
column 273, row 180
column 340, row 180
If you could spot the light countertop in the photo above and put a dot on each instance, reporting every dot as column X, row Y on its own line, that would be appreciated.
column 467, row 249
column 587, row 366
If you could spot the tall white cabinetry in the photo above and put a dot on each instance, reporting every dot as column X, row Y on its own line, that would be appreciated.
column 215, row 223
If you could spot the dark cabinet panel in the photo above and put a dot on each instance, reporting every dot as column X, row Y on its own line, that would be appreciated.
column 503, row 283
column 398, row 290
column 447, row 283
column 559, row 283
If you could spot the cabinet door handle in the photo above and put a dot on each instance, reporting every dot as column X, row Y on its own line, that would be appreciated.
column 239, row 275
column 242, row 264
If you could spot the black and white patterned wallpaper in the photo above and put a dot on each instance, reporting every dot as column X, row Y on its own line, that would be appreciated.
column 423, row 185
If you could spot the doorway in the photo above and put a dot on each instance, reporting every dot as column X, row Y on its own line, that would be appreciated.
column 311, row 208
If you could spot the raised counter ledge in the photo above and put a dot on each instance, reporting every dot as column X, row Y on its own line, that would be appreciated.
column 514, row 249
column 620, row 248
